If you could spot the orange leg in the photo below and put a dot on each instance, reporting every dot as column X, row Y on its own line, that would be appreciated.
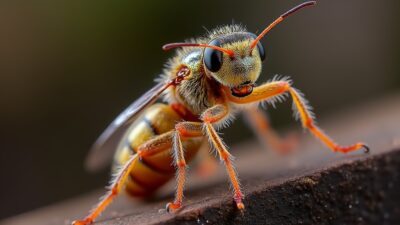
column 180, row 163
column 206, row 164
column 195, row 129
column 156, row 145
column 213, row 115
column 115, row 188
column 271, row 91
column 307, row 120
column 183, row 130
column 153, row 146
column 260, row 124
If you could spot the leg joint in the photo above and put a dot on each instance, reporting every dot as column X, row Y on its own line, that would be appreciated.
column 214, row 114
column 181, row 163
column 114, row 191
column 225, row 156
column 308, row 123
column 140, row 153
column 181, row 129
column 189, row 129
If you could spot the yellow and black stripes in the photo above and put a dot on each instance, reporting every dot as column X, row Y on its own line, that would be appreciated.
column 151, row 125
column 152, row 135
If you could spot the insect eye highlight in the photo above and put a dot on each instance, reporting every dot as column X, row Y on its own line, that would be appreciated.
column 213, row 57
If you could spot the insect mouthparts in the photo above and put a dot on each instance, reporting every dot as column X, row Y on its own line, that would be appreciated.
column 246, row 88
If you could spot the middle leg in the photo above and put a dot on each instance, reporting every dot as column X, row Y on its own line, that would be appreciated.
column 182, row 130
column 210, row 117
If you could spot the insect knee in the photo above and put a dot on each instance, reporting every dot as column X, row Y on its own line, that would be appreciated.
column 189, row 129
column 180, row 128
column 214, row 114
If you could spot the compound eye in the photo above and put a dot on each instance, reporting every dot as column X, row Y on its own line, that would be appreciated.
column 212, row 57
column 260, row 48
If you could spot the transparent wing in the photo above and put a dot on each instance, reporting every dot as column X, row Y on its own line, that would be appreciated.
column 103, row 149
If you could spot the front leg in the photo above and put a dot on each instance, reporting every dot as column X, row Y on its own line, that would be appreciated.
column 275, row 90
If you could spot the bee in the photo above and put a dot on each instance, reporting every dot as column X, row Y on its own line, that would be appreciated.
column 208, row 81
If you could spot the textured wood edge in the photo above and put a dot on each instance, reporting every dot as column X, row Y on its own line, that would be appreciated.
column 362, row 191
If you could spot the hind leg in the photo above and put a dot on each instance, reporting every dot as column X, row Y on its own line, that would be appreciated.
column 114, row 189
column 206, row 164
column 153, row 146
column 260, row 124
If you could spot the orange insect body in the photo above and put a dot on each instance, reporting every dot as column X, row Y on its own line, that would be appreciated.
column 149, row 173
column 205, row 84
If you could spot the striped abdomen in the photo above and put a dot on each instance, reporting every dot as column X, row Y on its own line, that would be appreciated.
column 152, row 172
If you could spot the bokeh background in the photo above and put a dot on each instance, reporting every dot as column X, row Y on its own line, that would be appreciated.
column 67, row 68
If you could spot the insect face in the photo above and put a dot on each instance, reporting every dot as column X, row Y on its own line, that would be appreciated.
column 238, row 70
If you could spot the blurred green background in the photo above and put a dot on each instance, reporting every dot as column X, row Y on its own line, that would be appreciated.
column 67, row 68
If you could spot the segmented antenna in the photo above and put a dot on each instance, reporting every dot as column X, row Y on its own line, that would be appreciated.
column 280, row 19
column 177, row 45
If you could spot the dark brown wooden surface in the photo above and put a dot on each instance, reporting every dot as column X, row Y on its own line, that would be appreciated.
column 311, row 186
